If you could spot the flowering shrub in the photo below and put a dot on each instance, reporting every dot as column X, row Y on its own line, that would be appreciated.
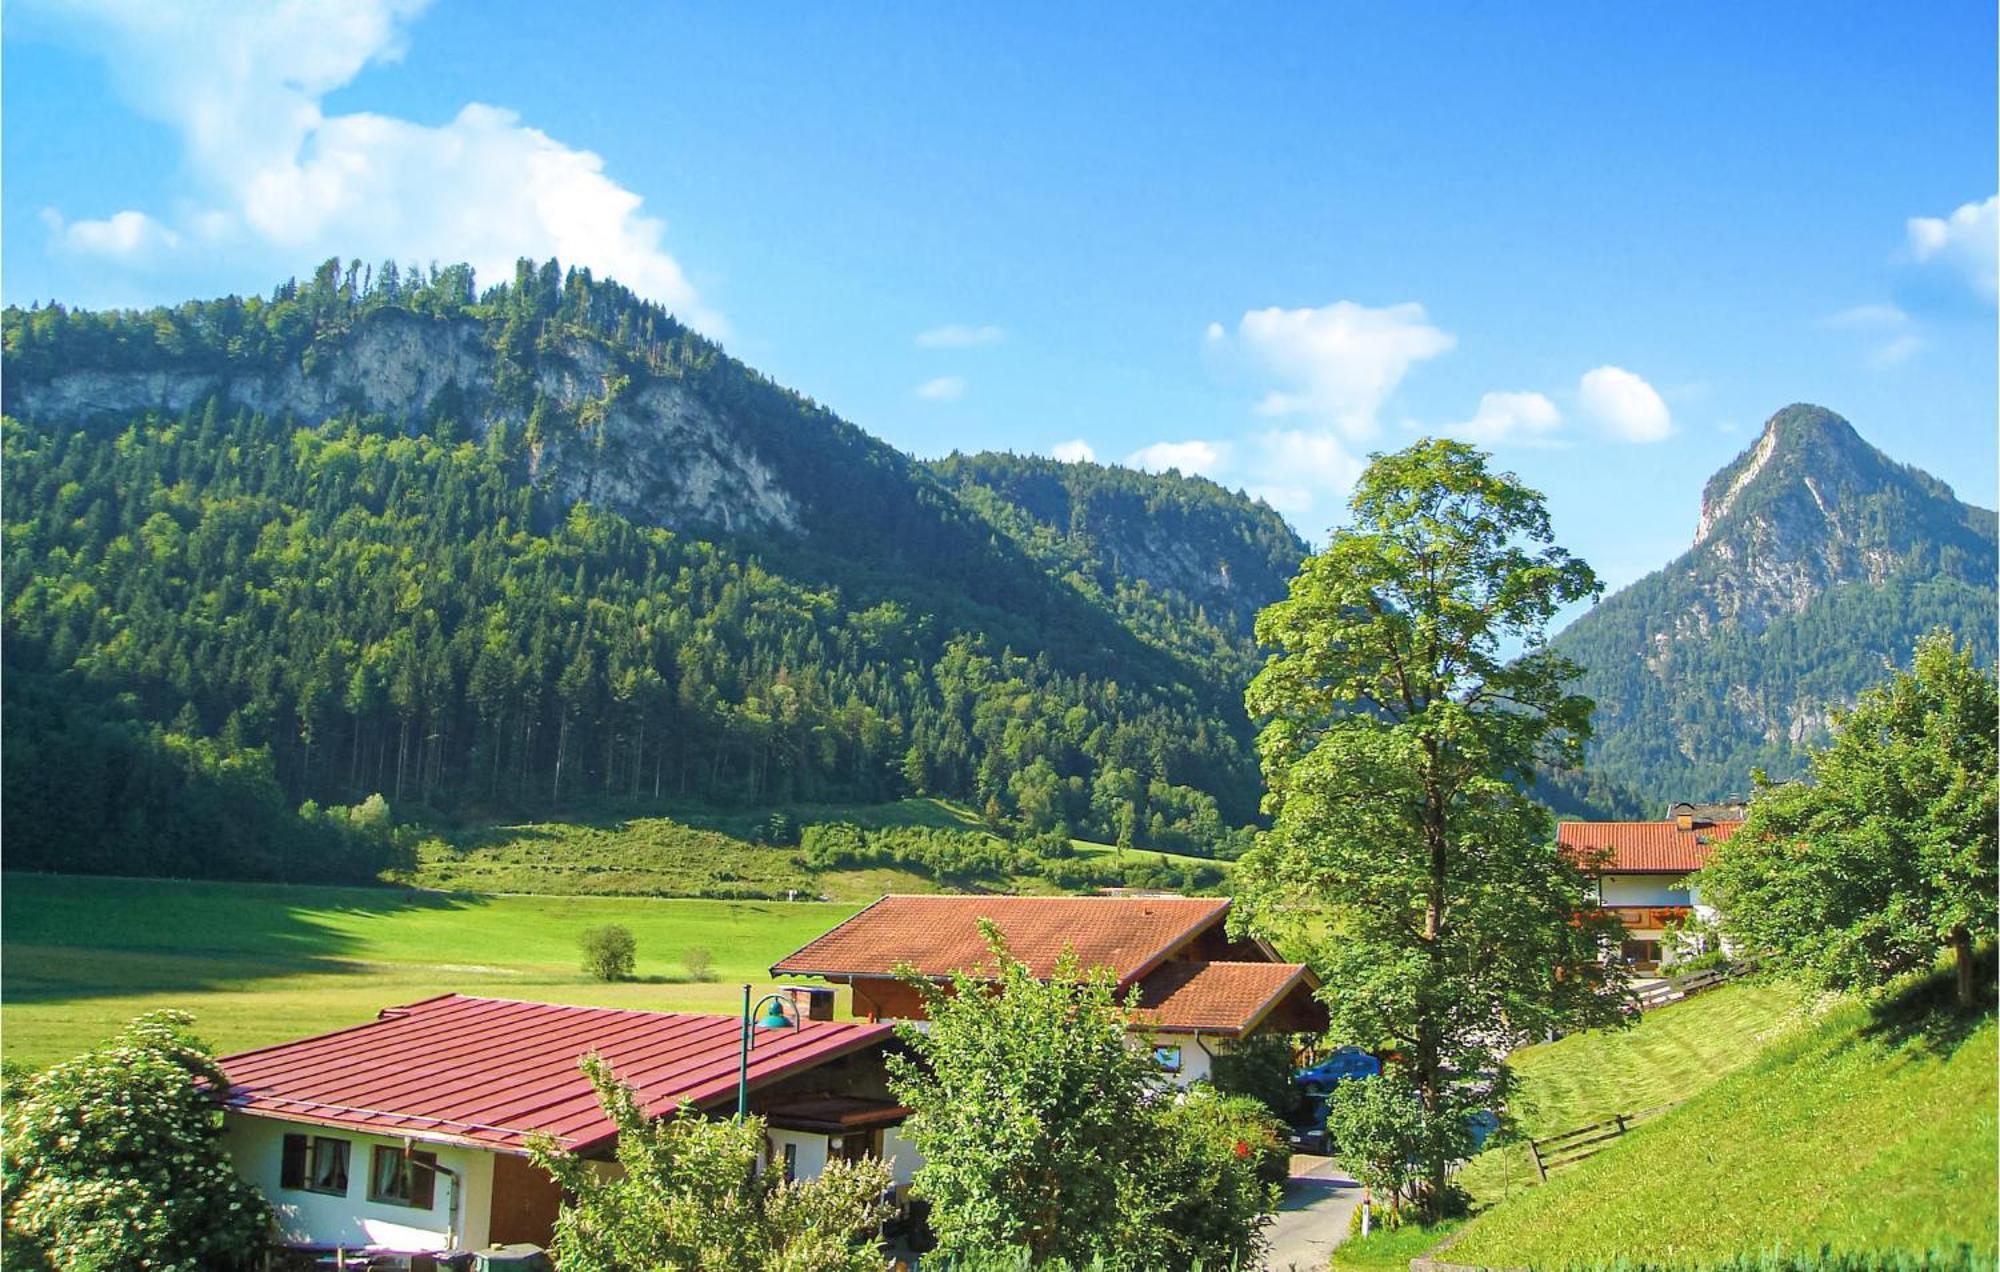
column 113, row 1161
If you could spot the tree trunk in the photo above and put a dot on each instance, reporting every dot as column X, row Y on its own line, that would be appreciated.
column 1968, row 975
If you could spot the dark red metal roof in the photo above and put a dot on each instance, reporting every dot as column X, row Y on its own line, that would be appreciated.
column 491, row 1071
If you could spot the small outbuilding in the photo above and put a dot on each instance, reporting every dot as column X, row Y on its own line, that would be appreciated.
column 407, row 1135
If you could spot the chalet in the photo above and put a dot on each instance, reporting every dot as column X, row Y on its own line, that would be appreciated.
column 407, row 1135
column 1640, row 869
column 1200, row 990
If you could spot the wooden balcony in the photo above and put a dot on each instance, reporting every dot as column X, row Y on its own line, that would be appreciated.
column 1644, row 917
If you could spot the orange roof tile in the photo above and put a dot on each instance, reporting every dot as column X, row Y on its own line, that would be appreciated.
column 939, row 935
column 1659, row 847
column 1220, row 997
column 490, row 1071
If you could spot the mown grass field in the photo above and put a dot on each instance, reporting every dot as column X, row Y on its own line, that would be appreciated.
column 1668, row 1055
column 1867, row 1131
column 1090, row 848
column 260, row 963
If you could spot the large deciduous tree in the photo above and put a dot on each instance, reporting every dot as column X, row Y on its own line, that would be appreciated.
column 1406, row 707
column 1885, row 855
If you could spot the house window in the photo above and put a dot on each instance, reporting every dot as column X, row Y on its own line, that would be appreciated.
column 791, row 1162
column 1168, row 1058
column 396, row 1178
column 314, row 1163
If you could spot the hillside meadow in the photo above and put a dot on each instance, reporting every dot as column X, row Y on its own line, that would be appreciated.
column 260, row 963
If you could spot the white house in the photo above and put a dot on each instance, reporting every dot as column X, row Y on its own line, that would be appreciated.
column 1641, row 870
column 406, row 1135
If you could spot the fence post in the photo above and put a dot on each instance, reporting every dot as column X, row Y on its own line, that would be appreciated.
column 1540, row 1170
column 1620, row 1119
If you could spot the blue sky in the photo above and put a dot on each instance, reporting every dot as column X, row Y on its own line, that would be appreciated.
column 1606, row 240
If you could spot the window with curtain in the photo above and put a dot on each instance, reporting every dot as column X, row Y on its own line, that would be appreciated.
column 397, row 1178
column 315, row 1163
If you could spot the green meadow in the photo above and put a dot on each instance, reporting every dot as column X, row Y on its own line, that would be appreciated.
column 260, row 963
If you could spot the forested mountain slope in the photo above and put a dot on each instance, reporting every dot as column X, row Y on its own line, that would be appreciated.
column 541, row 546
column 1817, row 559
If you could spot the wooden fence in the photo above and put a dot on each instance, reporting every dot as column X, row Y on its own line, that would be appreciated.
column 1679, row 987
column 1569, row 1147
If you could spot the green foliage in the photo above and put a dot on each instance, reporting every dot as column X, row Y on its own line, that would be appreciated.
column 1400, row 726
column 1041, row 1132
column 411, row 602
column 1696, row 668
column 1887, row 855
column 1262, row 1067
column 699, row 962
column 609, row 952
column 688, row 1197
column 1379, row 1129
column 114, row 1161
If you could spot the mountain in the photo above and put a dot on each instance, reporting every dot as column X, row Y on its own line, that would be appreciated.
column 1817, row 560
column 540, row 547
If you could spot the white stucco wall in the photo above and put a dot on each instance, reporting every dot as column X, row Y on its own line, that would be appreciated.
column 811, row 1147
column 1640, row 889
column 902, row 1156
column 256, row 1146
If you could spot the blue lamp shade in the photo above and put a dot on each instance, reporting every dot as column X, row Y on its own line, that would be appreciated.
column 774, row 1016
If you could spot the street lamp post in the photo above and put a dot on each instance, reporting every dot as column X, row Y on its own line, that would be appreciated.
column 775, row 1018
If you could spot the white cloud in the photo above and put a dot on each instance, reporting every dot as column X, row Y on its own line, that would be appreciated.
column 1206, row 458
column 1509, row 419
column 945, row 388
column 958, row 336
column 1293, row 470
column 128, row 237
column 1891, row 331
column 1964, row 243
column 1076, row 451
column 243, row 87
column 1624, row 405
column 1337, row 364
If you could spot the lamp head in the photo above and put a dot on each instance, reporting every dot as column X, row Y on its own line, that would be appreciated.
column 774, row 1016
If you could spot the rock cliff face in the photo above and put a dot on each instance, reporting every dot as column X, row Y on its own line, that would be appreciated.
column 652, row 448
column 1817, row 558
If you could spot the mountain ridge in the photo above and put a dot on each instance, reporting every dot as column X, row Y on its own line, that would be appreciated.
column 1816, row 559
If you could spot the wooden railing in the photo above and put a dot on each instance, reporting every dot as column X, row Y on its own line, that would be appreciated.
column 1566, row 1148
column 1647, row 916
column 1676, row 988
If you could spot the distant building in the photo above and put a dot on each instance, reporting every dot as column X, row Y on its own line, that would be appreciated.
column 406, row 1135
column 1200, row 991
column 1640, row 870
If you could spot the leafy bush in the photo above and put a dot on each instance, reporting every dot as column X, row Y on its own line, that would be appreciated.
column 114, row 1161
column 609, row 952
column 700, row 963
column 1262, row 1067
column 1043, row 1131
column 1378, row 1127
column 689, row 1197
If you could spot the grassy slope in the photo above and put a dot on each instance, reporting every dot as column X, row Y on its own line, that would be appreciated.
column 1668, row 1055
column 694, row 852
column 1862, row 1132
column 1091, row 848
column 261, row 963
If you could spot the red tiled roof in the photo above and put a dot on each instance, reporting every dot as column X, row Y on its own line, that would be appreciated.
column 490, row 1071
column 1224, row 997
column 939, row 935
column 1660, row 847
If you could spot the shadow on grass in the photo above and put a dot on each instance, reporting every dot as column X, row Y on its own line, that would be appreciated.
column 72, row 937
column 1925, row 1011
